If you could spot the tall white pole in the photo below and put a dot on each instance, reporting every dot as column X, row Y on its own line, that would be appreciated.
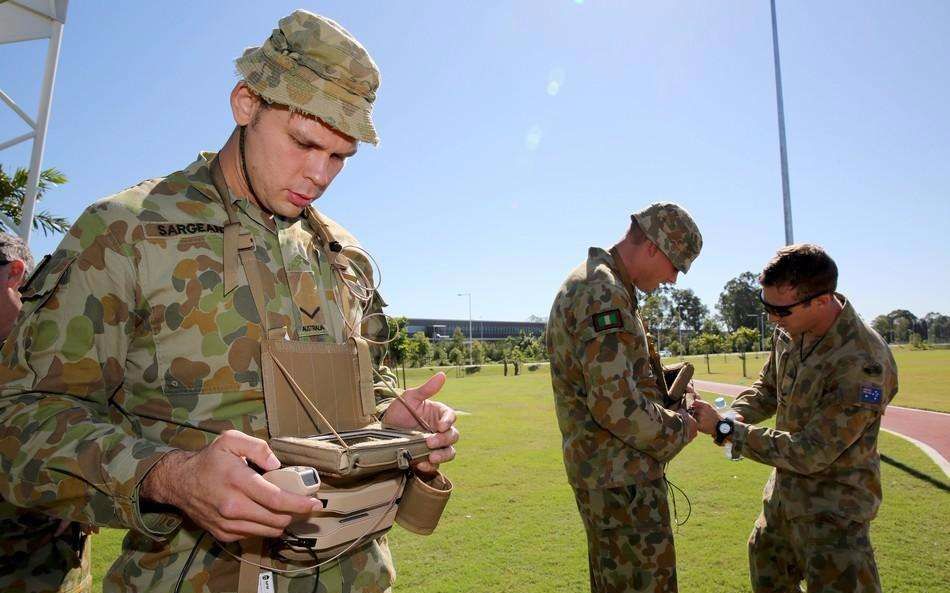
column 42, row 121
column 783, row 153
column 471, row 337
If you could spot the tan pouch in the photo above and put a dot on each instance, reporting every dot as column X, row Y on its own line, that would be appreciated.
column 336, row 378
column 368, row 451
column 353, row 513
column 422, row 503
column 677, row 377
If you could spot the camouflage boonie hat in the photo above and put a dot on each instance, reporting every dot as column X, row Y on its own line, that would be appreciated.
column 13, row 248
column 313, row 65
column 674, row 232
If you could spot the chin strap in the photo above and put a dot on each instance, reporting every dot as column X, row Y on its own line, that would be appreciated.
column 247, row 176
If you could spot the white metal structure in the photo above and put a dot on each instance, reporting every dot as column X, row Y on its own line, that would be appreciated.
column 29, row 20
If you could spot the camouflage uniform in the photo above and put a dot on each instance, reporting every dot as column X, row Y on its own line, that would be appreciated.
column 617, row 437
column 826, row 486
column 32, row 557
column 128, row 346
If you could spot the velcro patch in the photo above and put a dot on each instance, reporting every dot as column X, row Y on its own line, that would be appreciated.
column 607, row 320
column 871, row 394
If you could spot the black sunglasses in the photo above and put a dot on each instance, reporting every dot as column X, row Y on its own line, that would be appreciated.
column 786, row 310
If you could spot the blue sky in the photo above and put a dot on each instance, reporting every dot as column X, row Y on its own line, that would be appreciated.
column 517, row 134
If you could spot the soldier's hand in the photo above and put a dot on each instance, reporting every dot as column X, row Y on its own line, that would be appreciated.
column 439, row 417
column 219, row 492
column 706, row 416
column 691, row 425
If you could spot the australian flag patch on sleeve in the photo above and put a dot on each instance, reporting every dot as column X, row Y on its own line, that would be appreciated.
column 871, row 394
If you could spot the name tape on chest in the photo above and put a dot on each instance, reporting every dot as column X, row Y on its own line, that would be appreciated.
column 607, row 320
column 170, row 229
column 871, row 394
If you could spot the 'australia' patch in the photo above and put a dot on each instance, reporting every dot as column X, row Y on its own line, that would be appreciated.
column 607, row 320
column 870, row 394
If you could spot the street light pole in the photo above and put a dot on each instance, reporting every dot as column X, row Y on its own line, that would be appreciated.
column 783, row 153
column 470, row 336
column 761, row 319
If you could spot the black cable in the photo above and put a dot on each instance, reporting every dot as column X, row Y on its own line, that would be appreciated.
column 191, row 558
column 689, row 511
column 316, row 580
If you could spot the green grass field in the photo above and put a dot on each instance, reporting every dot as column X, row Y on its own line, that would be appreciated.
column 512, row 525
column 923, row 375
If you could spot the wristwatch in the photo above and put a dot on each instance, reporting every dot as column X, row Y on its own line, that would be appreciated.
column 724, row 430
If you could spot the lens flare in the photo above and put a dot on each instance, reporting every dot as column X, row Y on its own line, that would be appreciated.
column 555, row 81
column 533, row 138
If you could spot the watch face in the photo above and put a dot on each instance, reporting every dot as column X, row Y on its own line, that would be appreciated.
column 724, row 428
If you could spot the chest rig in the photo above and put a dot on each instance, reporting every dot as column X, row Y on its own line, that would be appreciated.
column 320, row 407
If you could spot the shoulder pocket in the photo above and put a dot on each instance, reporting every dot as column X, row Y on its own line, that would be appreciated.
column 52, row 271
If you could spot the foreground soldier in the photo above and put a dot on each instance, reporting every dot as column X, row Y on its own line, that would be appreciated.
column 827, row 382
column 38, row 553
column 617, row 437
column 132, row 383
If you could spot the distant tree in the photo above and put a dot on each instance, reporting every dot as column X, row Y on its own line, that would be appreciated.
column 399, row 344
column 902, row 327
column 675, row 348
column 478, row 352
column 440, row 356
column 422, row 349
column 13, row 194
column 882, row 325
column 743, row 338
column 691, row 311
column 456, row 355
column 710, row 326
column 937, row 326
column 739, row 304
column 707, row 344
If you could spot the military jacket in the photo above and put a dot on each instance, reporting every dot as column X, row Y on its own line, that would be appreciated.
column 33, row 559
column 827, row 404
column 609, row 409
column 127, row 347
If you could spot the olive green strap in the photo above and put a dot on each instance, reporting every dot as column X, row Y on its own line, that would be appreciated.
column 239, row 244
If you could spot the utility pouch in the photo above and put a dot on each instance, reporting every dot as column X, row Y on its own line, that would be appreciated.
column 354, row 512
column 320, row 410
column 334, row 380
column 677, row 377
column 422, row 504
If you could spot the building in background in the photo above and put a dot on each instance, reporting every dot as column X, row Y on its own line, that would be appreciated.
column 442, row 329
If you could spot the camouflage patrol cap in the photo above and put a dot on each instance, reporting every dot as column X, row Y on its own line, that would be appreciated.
column 673, row 230
column 13, row 248
column 313, row 65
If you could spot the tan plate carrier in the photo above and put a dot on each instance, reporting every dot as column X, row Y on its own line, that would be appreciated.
column 320, row 407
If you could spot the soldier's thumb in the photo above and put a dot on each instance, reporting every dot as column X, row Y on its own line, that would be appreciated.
column 432, row 386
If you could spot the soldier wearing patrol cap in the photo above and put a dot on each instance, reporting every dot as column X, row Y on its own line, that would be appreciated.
column 827, row 381
column 132, row 386
column 617, row 436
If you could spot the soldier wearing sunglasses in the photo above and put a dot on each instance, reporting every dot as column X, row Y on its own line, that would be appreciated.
column 827, row 381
